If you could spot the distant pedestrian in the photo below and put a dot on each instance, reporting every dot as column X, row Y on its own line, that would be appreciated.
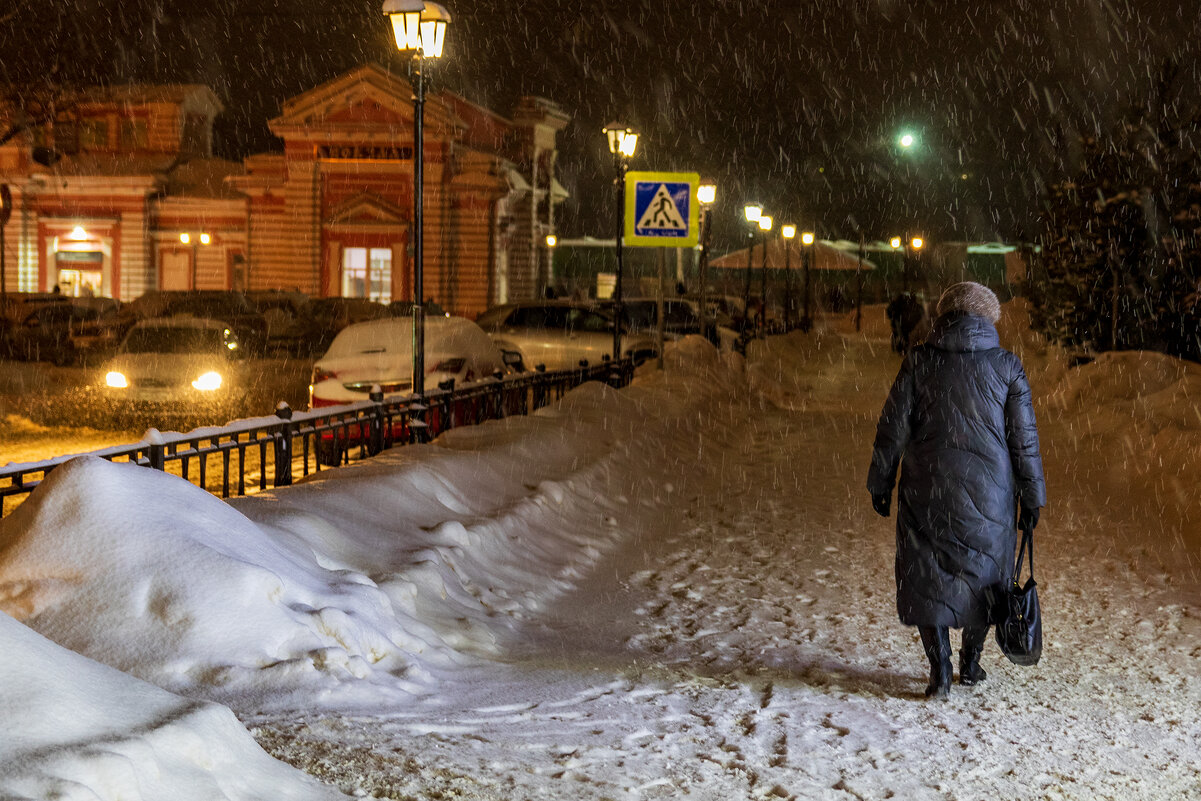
column 909, row 322
column 959, row 423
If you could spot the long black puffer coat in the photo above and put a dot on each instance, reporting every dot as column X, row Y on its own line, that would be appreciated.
column 960, row 423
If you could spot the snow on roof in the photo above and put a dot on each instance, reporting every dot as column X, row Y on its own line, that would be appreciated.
column 205, row 178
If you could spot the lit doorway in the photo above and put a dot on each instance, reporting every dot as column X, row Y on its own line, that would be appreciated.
column 81, row 264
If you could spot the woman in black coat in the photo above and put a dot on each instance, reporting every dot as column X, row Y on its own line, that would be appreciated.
column 960, row 424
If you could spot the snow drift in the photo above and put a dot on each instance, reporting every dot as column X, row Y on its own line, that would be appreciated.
column 76, row 729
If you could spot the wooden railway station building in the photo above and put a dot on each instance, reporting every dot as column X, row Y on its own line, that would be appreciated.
column 330, row 213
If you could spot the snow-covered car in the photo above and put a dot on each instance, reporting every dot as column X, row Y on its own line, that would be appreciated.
column 381, row 352
column 561, row 333
column 177, row 366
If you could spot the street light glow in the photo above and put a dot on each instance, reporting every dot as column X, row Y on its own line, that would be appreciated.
column 917, row 243
column 629, row 143
column 622, row 139
column 752, row 211
column 418, row 26
column 706, row 194
column 907, row 140
column 895, row 242
column 551, row 240
column 185, row 238
column 807, row 238
column 765, row 222
column 788, row 231
column 205, row 239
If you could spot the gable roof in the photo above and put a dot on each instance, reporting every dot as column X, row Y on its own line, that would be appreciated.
column 363, row 98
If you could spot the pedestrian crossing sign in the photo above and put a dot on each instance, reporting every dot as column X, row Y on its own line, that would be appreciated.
column 661, row 209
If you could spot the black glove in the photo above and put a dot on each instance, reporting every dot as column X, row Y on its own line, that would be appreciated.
column 1028, row 518
column 881, row 503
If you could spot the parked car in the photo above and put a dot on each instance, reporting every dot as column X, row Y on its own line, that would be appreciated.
column 284, row 313
column 404, row 308
column 178, row 366
column 321, row 320
column 559, row 334
column 679, row 318
column 232, row 308
column 380, row 352
column 63, row 332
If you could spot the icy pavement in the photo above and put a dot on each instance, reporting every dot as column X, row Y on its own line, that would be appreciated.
column 747, row 646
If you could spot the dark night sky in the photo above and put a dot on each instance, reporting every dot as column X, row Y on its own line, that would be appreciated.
column 793, row 104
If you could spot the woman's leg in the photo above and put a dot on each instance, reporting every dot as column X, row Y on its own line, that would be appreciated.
column 937, row 642
column 970, row 671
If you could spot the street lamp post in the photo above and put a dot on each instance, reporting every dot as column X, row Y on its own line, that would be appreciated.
column 788, row 231
column 807, row 259
column 203, row 238
column 420, row 29
column 552, row 242
column 915, row 245
column 752, row 211
column 859, row 287
column 765, row 227
column 623, row 141
column 706, row 196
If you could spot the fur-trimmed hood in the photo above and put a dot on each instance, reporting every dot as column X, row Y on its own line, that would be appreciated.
column 970, row 298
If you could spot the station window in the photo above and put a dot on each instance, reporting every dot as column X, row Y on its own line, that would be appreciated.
column 93, row 134
column 367, row 273
column 134, row 135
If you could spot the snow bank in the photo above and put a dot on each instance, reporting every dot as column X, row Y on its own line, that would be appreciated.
column 76, row 729
column 366, row 580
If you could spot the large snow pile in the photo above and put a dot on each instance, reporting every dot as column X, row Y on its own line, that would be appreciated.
column 364, row 580
column 75, row 729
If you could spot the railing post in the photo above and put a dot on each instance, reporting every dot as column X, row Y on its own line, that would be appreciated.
column 540, row 387
column 446, row 412
column 376, row 434
column 158, row 456
column 283, row 446
column 499, row 375
column 418, row 430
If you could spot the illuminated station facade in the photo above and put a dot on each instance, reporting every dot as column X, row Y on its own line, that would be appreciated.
column 132, row 199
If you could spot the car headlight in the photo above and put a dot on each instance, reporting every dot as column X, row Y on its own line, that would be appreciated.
column 208, row 382
column 115, row 379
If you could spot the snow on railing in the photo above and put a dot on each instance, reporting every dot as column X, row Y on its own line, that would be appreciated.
column 252, row 450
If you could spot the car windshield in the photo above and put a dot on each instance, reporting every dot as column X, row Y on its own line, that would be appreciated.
column 172, row 339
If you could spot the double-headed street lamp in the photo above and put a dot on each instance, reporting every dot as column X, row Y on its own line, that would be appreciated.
column 195, row 240
column 914, row 246
column 420, row 30
column 623, row 141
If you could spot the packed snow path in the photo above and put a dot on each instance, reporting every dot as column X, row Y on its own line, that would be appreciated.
column 748, row 647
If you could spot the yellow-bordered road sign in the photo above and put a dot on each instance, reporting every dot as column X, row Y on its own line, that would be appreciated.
column 661, row 209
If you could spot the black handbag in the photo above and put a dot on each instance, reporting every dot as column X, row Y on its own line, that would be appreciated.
column 1020, row 621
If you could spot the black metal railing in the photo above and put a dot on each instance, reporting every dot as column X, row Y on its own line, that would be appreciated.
column 252, row 454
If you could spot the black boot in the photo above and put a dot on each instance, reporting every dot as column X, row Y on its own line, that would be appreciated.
column 937, row 642
column 970, row 671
